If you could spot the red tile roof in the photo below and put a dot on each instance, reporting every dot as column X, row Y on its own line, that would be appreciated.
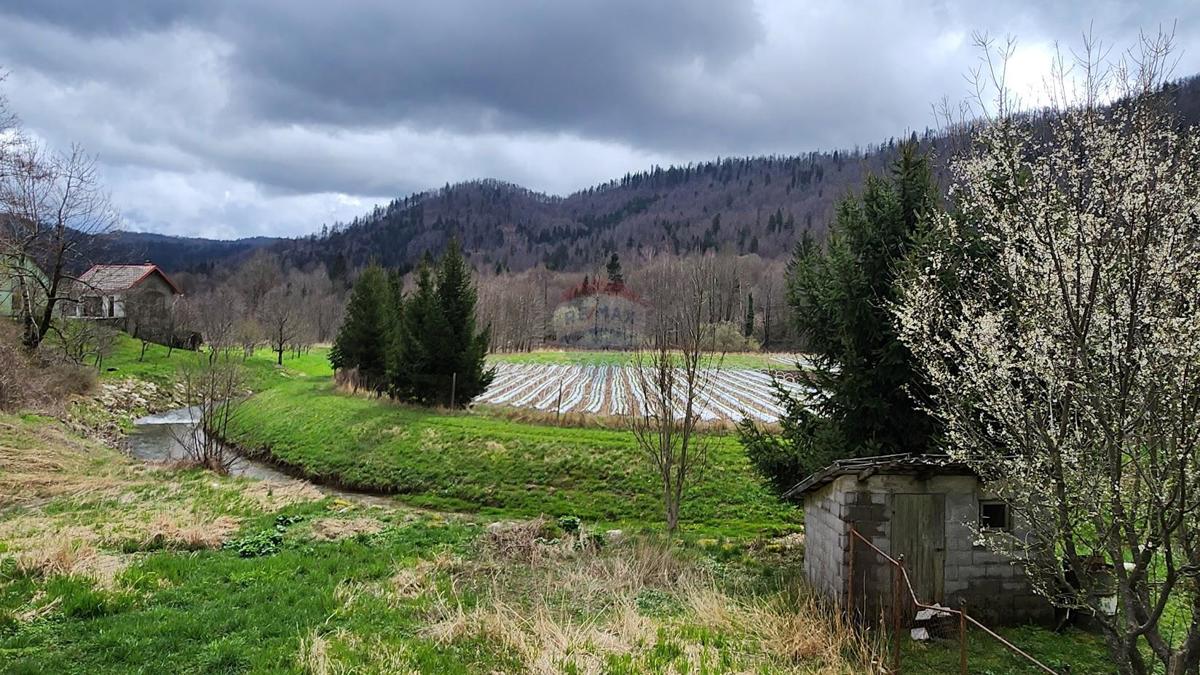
column 116, row 278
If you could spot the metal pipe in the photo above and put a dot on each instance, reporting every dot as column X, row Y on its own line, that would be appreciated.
column 897, row 572
column 962, row 639
column 898, row 565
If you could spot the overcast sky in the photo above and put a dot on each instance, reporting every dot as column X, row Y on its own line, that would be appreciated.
column 232, row 118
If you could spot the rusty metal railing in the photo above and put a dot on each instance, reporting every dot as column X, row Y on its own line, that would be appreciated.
column 900, row 580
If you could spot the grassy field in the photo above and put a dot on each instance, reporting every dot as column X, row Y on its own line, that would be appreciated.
column 749, row 361
column 111, row 566
column 156, row 366
column 495, row 466
column 108, row 566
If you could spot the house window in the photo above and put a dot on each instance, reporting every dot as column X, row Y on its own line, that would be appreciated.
column 994, row 516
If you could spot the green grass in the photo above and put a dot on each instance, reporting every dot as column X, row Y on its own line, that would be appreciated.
column 1079, row 651
column 495, row 466
column 216, row 612
column 156, row 366
column 261, row 608
column 749, row 361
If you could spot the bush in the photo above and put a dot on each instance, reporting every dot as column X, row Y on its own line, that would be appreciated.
column 727, row 337
column 36, row 381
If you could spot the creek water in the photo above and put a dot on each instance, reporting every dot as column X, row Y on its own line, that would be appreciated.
column 160, row 437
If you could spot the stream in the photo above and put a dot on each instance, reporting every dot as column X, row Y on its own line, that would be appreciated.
column 156, row 438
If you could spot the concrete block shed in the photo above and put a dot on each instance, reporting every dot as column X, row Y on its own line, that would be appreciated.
column 926, row 508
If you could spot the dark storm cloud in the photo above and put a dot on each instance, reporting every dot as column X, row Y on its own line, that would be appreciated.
column 595, row 67
column 238, row 117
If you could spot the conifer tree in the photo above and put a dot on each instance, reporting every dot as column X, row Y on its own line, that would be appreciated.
column 615, row 278
column 363, row 339
column 420, row 342
column 841, row 299
column 394, row 316
column 466, row 347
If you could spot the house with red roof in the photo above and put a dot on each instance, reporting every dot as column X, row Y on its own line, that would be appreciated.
column 105, row 290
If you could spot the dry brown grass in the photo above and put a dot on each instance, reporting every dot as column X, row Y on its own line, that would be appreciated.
column 40, row 462
column 38, row 381
column 559, row 605
column 332, row 529
column 67, row 554
column 798, row 633
column 313, row 655
column 516, row 540
column 105, row 504
column 272, row 495
column 189, row 532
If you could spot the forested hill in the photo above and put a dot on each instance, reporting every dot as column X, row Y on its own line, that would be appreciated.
column 177, row 253
column 739, row 205
column 743, row 205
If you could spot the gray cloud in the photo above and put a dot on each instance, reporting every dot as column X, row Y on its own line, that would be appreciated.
column 230, row 118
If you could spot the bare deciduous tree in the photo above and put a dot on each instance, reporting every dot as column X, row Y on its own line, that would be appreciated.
column 213, row 390
column 673, row 373
column 81, row 341
column 215, row 316
column 54, row 209
column 280, row 315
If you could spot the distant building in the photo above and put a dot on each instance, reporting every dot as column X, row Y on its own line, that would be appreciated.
column 104, row 290
column 19, row 280
column 928, row 509
column 608, row 316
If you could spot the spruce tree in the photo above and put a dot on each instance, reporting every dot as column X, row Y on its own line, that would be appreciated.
column 363, row 340
column 615, row 278
column 421, row 338
column 841, row 299
column 466, row 347
column 394, row 316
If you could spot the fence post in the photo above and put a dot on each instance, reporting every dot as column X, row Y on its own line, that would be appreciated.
column 558, row 406
column 897, row 578
column 453, row 386
column 962, row 638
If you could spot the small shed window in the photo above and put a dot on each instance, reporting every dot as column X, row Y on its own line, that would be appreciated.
column 994, row 516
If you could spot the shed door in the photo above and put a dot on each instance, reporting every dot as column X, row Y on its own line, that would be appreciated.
column 919, row 534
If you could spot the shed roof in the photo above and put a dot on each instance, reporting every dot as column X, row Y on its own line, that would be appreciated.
column 905, row 463
column 114, row 278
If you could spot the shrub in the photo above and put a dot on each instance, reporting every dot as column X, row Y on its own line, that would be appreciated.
column 38, row 380
column 725, row 336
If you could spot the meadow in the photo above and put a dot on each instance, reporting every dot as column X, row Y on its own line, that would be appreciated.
column 495, row 554
column 161, row 366
column 493, row 465
column 111, row 566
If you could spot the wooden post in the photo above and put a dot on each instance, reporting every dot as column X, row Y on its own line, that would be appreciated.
column 962, row 638
column 453, row 386
column 558, row 405
column 897, row 579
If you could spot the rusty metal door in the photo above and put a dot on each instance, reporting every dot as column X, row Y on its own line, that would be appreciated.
column 918, row 525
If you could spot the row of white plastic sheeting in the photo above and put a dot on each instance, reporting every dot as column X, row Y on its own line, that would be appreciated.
column 616, row 390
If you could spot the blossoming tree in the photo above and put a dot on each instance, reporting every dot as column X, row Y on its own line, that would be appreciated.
column 1056, row 311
